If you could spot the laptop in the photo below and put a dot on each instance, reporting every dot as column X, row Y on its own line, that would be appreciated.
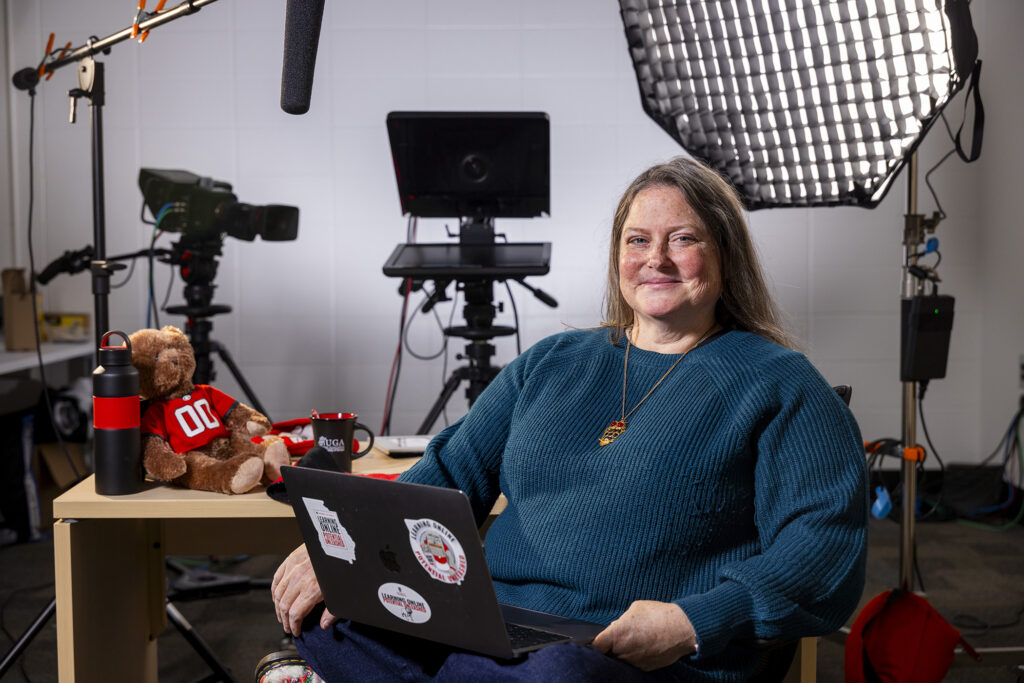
column 408, row 558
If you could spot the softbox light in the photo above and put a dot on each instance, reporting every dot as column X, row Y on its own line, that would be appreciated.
column 797, row 102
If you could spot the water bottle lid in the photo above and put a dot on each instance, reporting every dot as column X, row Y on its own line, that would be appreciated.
column 115, row 355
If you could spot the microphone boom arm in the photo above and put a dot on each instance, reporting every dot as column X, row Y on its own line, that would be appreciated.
column 103, row 45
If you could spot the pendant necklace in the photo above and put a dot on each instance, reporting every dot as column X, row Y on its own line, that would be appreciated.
column 616, row 427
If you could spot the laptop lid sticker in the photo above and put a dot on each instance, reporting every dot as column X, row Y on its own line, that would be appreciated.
column 404, row 603
column 334, row 538
column 437, row 550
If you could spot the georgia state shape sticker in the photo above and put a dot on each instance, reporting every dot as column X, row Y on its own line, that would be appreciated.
column 334, row 538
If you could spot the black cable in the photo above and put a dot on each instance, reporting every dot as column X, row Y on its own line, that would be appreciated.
column 1012, row 429
column 444, row 365
column 142, row 214
column 32, row 286
column 917, row 570
column 408, row 324
column 927, row 181
column 934, row 452
column 396, row 364
column 515, row 317
column 152, row 293
column 969, row 622
column 167, row 294
column 131, row 270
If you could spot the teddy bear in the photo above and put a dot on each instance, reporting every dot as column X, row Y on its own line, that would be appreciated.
column 197, row 435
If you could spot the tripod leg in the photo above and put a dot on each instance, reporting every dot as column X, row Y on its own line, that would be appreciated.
column 237, row 373
column 27, row 637
column 221, row 672
column 446, row 393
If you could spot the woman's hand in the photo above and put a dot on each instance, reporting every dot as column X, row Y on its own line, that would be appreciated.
column 296, row 591
column 649, row 635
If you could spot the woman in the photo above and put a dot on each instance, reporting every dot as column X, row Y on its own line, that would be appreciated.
column 678, row 474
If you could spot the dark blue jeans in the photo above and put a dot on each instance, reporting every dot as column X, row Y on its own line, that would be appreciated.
column 355, row 652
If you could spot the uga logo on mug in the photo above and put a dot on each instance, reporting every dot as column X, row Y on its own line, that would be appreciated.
column 331, row 445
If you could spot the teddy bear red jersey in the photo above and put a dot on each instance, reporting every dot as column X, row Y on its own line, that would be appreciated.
column 191, row 421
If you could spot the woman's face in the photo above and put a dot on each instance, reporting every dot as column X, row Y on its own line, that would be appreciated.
column 669, row 266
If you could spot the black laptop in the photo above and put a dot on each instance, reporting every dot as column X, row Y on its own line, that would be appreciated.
column 408, row 558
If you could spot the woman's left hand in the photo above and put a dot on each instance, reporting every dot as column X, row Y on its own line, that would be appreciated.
column 649, row 635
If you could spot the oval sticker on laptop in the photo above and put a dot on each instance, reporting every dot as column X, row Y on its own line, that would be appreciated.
column 437, row 550
column 404, row 603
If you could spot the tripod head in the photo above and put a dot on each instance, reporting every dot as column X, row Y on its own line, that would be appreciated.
column 196, row 257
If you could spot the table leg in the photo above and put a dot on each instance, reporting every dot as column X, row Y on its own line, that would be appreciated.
column 110, row 598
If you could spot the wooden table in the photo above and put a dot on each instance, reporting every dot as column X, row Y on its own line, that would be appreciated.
column 109, row 563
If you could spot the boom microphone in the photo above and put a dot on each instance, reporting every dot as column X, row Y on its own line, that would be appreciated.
column 26, row 79
column 301, row 37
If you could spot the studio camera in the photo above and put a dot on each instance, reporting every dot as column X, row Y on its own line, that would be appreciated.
column 203, row 208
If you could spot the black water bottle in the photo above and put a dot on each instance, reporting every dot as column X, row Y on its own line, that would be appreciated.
column 115, row 419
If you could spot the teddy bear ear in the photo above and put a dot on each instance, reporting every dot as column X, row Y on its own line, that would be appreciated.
column 141, row 341
column 175, row 336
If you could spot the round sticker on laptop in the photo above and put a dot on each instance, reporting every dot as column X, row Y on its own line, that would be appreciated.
column 437, row 550
column 404, row 603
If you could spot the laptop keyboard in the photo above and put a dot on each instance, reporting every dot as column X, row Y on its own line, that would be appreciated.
column 522, row 637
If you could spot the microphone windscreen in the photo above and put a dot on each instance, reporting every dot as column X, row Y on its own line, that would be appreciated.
column 301, row 38
column 25, row 79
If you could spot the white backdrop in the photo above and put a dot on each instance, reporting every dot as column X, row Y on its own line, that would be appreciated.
column 315, row 321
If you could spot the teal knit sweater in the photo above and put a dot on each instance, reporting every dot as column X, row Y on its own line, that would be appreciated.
column 738, row 490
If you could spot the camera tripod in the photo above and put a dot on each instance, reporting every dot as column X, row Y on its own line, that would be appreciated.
column 479, row 313
column 198, row 265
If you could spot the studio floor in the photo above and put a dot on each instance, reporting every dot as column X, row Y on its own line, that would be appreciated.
column 965, row 570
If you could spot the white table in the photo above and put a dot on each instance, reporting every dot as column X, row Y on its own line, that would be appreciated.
column 13, row 361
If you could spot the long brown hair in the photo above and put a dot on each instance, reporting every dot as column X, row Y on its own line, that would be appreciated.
column 745, row 303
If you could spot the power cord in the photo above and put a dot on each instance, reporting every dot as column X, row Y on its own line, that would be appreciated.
column 444, row 365
column 969, row 622
column 396, row 365
column 931, row 447
column 79, row 476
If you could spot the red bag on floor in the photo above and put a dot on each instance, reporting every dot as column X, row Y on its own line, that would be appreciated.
column 899, row 638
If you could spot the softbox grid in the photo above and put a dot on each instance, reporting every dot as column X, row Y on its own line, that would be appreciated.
column 798, row 103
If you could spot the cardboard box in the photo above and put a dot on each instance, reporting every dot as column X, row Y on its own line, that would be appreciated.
column 54, row 475
column 19, row 332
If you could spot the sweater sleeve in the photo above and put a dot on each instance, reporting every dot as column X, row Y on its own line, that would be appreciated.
column 810, row 507
column 467, row 455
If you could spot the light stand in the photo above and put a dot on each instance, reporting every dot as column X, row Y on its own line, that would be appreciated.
column 914, row 229
column 91, row 86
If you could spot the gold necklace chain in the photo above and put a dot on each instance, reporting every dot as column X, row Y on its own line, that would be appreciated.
column 617, row 427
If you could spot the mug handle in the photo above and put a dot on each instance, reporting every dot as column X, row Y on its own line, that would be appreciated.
column 369, row 444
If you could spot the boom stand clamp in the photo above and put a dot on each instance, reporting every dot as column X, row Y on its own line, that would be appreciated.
column 91, row 85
